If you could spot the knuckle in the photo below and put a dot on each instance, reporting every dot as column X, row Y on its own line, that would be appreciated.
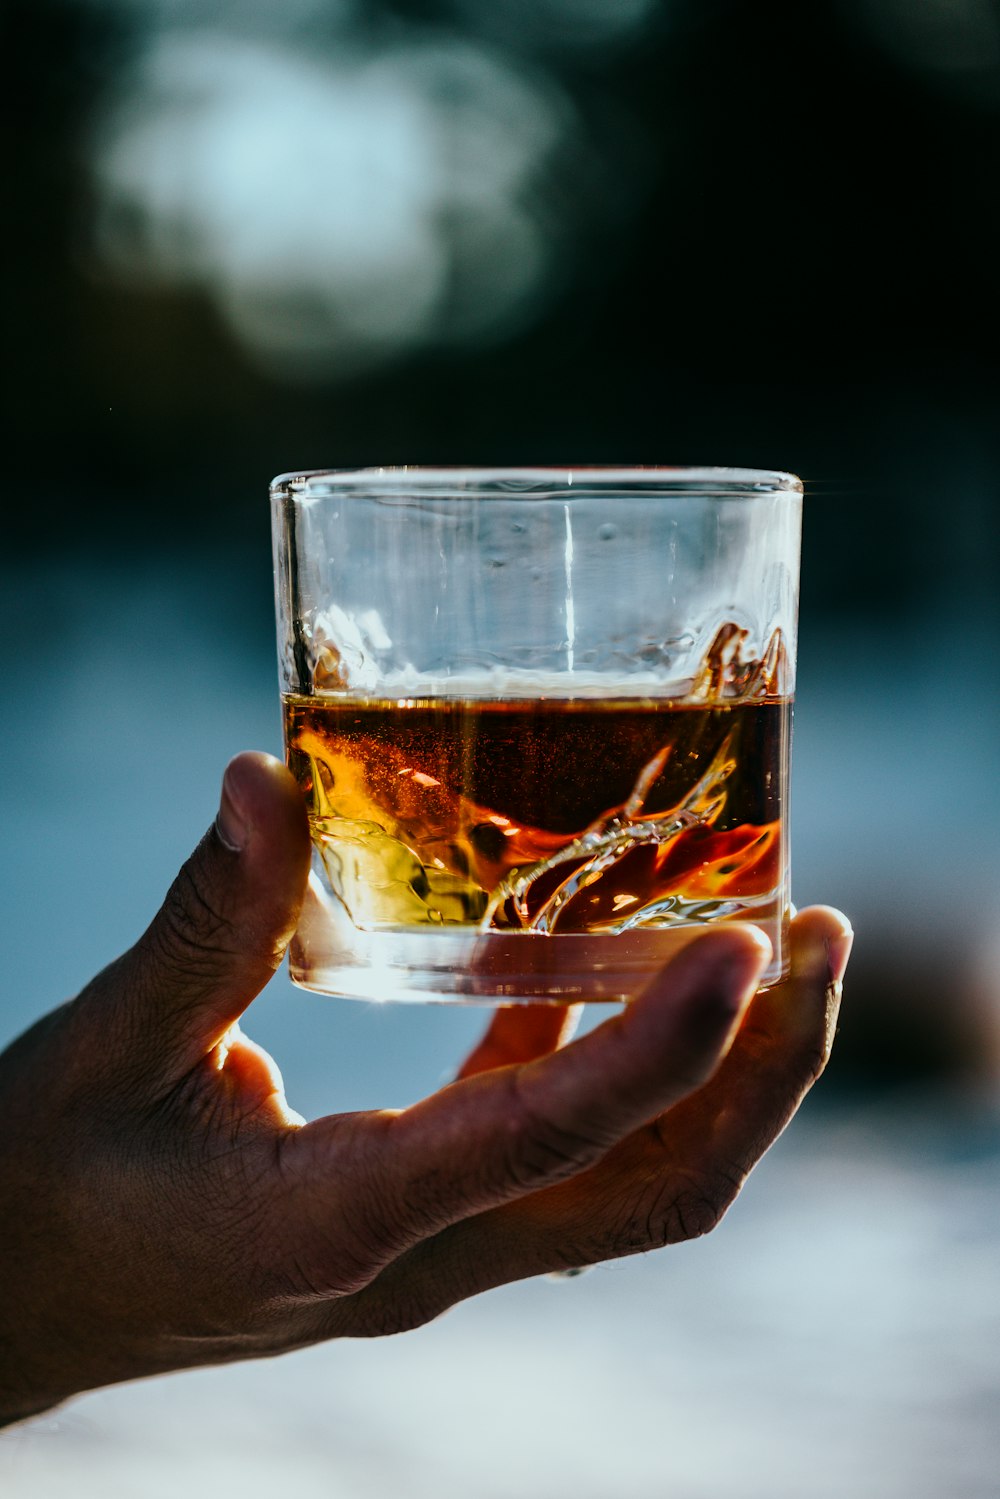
column 318, row 1271
column 383, row 1316
column 544, row 1149
column 377, row 1312
column 192, row 910
column 349, row 1225
column 422, row 1202
column 192, row 930
column 339, row 1260
column 674, row 1212
column 695, row 1207
column 689, row 1215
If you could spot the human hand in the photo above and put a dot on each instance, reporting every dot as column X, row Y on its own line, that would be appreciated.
column 163, row 1207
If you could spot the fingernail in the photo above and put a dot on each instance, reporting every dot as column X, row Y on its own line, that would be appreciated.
column 230, row 824
column 823, row 959
column 838, row 950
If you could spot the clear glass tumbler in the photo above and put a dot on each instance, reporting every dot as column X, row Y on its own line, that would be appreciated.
column 541, row 718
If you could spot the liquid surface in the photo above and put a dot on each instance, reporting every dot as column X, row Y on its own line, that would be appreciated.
column 551, row 816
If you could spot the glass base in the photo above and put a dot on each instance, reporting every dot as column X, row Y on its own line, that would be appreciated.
column 329, row 955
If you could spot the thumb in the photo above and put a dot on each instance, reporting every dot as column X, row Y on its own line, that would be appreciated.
column 224, row 925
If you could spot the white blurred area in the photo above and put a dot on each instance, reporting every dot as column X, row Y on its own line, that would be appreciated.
column 351, row 196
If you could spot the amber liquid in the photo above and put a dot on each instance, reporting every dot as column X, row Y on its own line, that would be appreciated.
column 554, row 816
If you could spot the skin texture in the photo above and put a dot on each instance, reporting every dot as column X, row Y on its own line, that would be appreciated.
column 162, row 1207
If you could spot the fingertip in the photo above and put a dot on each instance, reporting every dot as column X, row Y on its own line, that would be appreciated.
column 743, row 953
column 704, row 991
column 260, row 796
column 822, row 938
column 254, row 774
column 726, row 962
column 230, row 820
column 263, row 821
column 753, row 940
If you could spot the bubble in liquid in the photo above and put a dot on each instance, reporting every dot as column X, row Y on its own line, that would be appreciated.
column 608, row 532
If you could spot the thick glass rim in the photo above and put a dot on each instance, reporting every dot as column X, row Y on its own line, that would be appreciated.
column 443, row 482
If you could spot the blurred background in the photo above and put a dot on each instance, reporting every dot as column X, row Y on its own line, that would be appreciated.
column 249, row 238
